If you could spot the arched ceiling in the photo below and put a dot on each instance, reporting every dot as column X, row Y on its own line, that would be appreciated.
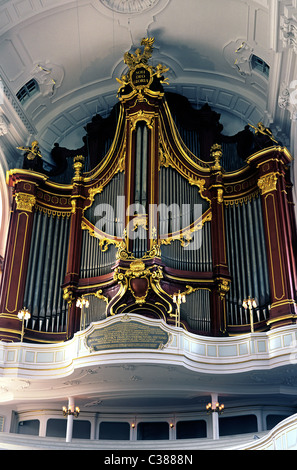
column 74, row 50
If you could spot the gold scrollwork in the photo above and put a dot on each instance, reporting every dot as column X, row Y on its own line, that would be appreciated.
column 103, row 238
column 138, row 270
column 73, row 206
column 99, row 295
column 93, row 192
column 142, row 116
column 140, row 220
column 200, row 182
column 268, row 182
column 25, row 202
column 220, row 196
column 185, row 236
column 197, row 182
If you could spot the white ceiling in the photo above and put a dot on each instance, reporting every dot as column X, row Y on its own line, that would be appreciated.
column 81, row 45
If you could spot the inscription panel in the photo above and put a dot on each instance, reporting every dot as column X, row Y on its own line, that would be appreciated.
column 127, row 335
column 141, row 77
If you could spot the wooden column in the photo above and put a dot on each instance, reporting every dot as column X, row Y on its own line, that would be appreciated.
column 74, row 248
column 219, row 252
column 13, row 282
column 279, row 238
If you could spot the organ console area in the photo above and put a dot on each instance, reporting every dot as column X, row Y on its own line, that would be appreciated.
column 157, row 202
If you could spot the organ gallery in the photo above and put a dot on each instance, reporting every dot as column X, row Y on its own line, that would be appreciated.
column 159, row 214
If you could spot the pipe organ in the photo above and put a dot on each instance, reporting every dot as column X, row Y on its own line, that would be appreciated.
column 168, row 205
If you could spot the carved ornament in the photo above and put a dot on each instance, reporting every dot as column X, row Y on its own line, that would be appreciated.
column 216, row 153
column 68, row 295
column 224, row 287
column 139, row 279
column 268, row 183
column 25, row 202
column 140, row 75
column 78, row 167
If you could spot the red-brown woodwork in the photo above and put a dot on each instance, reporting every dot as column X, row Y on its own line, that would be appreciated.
column 279, row 235
column 17, row 253
column 74, row 256
column 221, row 273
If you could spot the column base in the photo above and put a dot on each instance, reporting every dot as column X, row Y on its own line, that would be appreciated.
column 282, row 313
column 10, row 328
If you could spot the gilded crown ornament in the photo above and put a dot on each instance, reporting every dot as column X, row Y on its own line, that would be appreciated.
column 141, row 75
column 140, row 57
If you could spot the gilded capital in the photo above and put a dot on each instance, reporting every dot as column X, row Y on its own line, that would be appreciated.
column 268, row 183
column 25, row 202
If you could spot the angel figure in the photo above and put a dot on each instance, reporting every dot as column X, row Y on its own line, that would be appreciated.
column 32, row 157
column 263, row 136
column 159, row 73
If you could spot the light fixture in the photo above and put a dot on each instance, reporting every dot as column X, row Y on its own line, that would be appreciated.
column 82, row 302
column 250, row 303
column 217, row 408
column 23, row 315
column 69, row 411
column 178, row 299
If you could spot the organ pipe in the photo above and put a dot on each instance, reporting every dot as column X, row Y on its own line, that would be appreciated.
column 247, row 260
column 46, row 270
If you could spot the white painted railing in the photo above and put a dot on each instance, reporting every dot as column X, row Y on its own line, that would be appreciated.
column 282, row 437
column 202, row 354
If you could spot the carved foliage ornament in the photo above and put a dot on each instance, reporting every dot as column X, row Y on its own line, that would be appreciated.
column 3, row 123
column 242, row 61
column 288, row 29
column 129, row 6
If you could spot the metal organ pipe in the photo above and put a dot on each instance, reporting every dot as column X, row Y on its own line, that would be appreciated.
column 175, row 191
column 94, row 262
column 247, row 260
column 139, row 245
column 46, row 270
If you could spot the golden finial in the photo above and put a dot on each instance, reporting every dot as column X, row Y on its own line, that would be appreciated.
column 78, row 166
column 216, row 153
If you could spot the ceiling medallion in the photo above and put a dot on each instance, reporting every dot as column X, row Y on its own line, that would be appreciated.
column 129, row 6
